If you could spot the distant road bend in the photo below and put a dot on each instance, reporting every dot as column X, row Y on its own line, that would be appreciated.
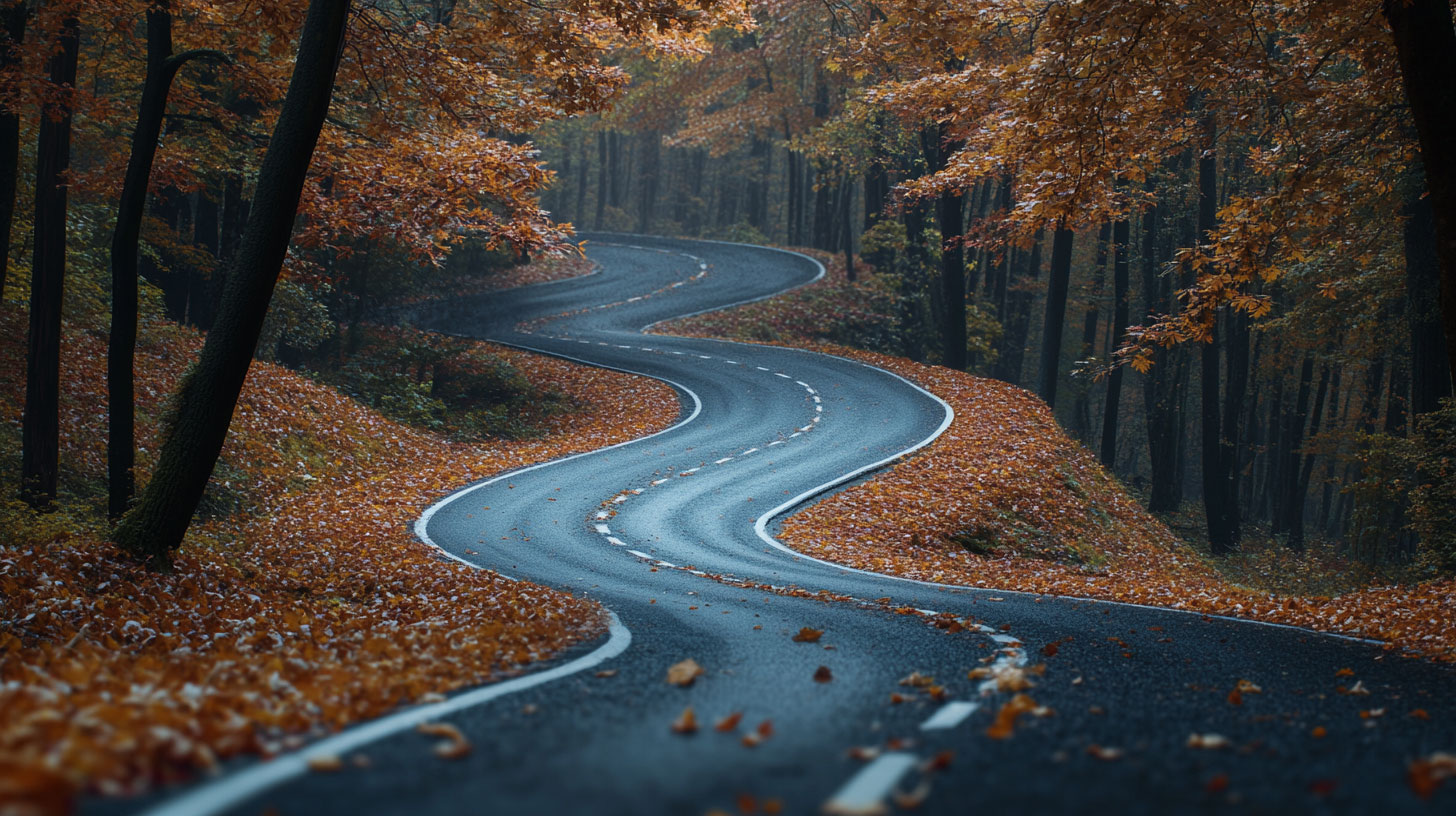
column 643, row 528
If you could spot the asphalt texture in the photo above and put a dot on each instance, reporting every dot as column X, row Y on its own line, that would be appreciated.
column 1125, row 686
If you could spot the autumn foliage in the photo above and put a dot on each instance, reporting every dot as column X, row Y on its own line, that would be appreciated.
column 1005, row 499
column 313, row 608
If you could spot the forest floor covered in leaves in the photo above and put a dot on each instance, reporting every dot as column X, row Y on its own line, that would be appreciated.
column 302, row 600
column 1005, row 499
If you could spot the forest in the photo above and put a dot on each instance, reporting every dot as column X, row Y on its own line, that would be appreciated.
column 1214, row 242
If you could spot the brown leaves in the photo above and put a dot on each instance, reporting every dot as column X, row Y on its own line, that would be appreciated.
column 686, row 723
column 453, row 744
column 1427, row 774
column 1012, row 710
column 729, row 722
column 1208, row 742
column 1104, row 753
column 684, row 672
column 807, row 635
column 823, row 675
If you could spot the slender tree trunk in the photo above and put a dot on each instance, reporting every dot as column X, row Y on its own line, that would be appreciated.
column 154, row 528
column 1018, row 321
column 846, row 183
column 13, row 19
column 1120, row 237
column 162, row 66
column 205, row 233
column 652, row 154
column 1161, row 385
column 1430, row 374
column 949, row 211
column 1223, row 526
column 1081, row 411
column 1306, row 464
column 1425, row 46
column 40, row 425
column 603, row 178
column 1055, row 319
column 578, row 212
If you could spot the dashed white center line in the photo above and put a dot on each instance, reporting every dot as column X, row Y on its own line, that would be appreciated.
column 619, row 499
column 689, row 471
column 781, row 374
column 704, row 357
column 805, row 428
column 603, row 514
column 761, row 368
column 644, row 556
column 806, row 385
column 603, row 529
column 750, row 450
column 949, row 715
column 724, row 459
column 656, row 482
column 617, row 541
column 818, row 408
column 732, row 362
column 776, row 442
column 622, row 346
column 816, row 399
column 865, row 792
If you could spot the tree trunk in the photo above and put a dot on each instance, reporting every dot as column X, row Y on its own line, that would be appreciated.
column 1081, row 411
column 154, row 528
column 647, row 202
column 1425, row 46
column 162, row 66
column 1161, row 386
column 846, row 184
column 603, row 178
column 1055, row 319
column 1018, row 319
column 40, row 425
column 1120, row 237
column 1223, row 525
column 1430, row 374
column 949, row 211
column 13, row 20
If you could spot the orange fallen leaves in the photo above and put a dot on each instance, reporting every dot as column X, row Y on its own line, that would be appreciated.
column 1427, row 774
column 1104, row 753
column 729, row 722
column 1044, row 515
column 316, row 606
column 684, row 672
column 1208, row 742
column 807, row 635
column 686, row 723
column 823, row 675
column 453, row 744
column 1010, row 711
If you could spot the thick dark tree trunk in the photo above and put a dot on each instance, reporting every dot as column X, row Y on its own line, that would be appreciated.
column 154, row 528
column 1430, row 373
column 40, row 425
column 13, row 19
column 1425, row 45
column 846, row 211
column 1120, row 237
column 162, row 66
column 1055, row 318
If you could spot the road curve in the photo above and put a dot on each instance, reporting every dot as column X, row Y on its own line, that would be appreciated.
column 649, row 527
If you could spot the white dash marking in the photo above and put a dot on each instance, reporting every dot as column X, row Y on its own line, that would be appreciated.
column 689, row 472
column 724, row 459
column 732, row 362
column 776, row 442
column 656, row 482
column 814, row 420
column 781, row 374
column 622, row 346
column 665, row 564
column 603, row 529
column 818, row 408
column 949, row 716
column 644, row 556
column 603, row 514
column 634, row 299
column 801, row 382
column 677, row 352
column 704, row 357
column 865, row 792
column 806, row 428
column 816, row 399
column 617, row 541
column 795, row 433
column 750, row 450
column 600, row 343
column 761, row 368
column 619, row 499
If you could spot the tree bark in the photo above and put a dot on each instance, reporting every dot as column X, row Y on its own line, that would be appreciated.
column 162, row 66
column 603, row 179
column 154, row 528
column 1055, row 319
column 40, row 425
column 1218, row 490
column 13, row 19
column 1425, row 46
column 1430, row 373
column 1120, row 236
column 1082, row 412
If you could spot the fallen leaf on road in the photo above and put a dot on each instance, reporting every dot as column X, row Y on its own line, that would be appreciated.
column 1370, row 714
column 684, row 673
column 607, row 673
column 917, row 680
column 1345, row 673
column 1049, row 650
column 765, row 729
column 1420, row 714
column 325, row 763
column 452, row 746
column 807, row 635
column 1006, row 717
column 864, row 753
column 1249, row 687
column 686, row 723
column 1235, row 698
column 1318, row 732
column 1218, row 784
column 1357, row 689
column 823, row 675
column 1427, row 774
column 913, row 799
column 1210, row 742
column 939, row 762
column 1323, row 787
column 1106, row 754
column 729, row 722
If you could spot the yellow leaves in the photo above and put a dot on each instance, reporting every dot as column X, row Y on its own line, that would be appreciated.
column 684, row 672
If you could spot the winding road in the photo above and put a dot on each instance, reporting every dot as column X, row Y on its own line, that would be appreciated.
column 673, row 534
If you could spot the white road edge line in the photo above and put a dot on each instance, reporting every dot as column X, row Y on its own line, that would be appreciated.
column 230, row 790
column 865, row 792
column 949, row 715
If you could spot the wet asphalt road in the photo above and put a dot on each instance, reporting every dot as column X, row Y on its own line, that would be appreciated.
column 632, row 527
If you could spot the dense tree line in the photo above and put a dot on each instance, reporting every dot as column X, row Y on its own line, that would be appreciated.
column 1220, row 264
